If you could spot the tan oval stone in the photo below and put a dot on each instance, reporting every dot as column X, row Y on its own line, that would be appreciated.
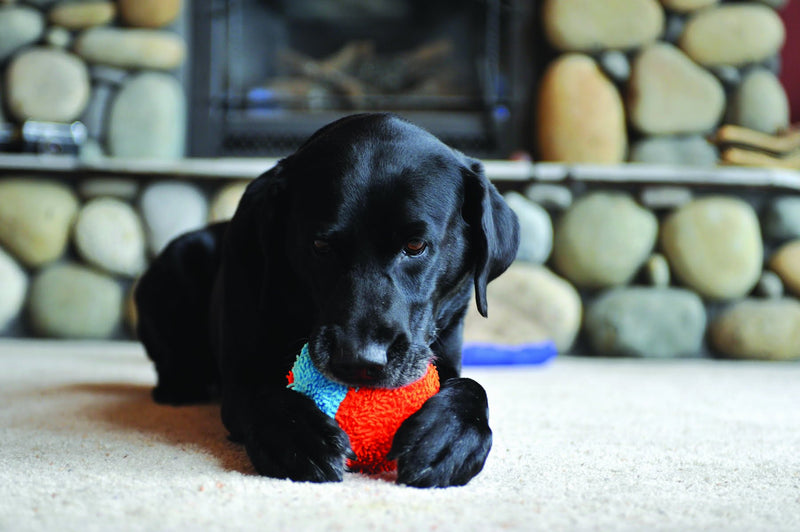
column 580, row 114
column 761, row 329
column 35, row 219
column 685, row 6
column 603, row 240
column 786, row 263
column 82, row 15
column 669, row 94
column 528, row 303
column 733, row 34
column 131, row 48
column 47, row 84
column 590, row 25
column 714, row 246
column 149, row 13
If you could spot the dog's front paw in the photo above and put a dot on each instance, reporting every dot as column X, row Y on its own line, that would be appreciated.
column 447, row 441
column 290, row 437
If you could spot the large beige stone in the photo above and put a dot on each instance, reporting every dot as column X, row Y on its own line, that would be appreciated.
column 82, row 15
column 528, row 303
column 131, row 48
column 109, row 235
column 714, row 246
column 669, row 94
column 786, row 263
column 35, row 219
column 580, row 116
column 149, row 13
column 762, row 329
column 733, row 34
column 590, row 25
column 603, row 239
column 147, row 118
column 72, row 301
column 47, row 84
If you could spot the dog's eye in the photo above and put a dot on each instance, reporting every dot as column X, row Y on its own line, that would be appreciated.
column 322, row 246
column 415, row 246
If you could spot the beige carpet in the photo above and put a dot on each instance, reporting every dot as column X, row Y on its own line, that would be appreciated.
column 581, row 444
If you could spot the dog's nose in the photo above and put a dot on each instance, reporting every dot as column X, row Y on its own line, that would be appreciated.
column 359, row 365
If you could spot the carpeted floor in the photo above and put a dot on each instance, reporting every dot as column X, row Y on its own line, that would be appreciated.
column 580, row 444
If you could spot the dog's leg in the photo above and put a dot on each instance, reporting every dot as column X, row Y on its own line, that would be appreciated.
column 447, row 441
column 172, row 299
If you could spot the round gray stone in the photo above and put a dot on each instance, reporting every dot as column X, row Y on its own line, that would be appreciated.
column 760, row 103
column 770, row 285
column 58, row 37
column 782, row 219
column 536, row 229
column 761, row 329
column 47, row 84
column 19, row 26
column 603, row 239
column 169, row 209
column 616, row 65
column 646, row 322
column 72, row 301
column 148, row 118
column 13, row 286
column 109, row 235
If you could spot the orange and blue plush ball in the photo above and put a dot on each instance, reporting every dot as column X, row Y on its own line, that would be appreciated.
column 369, row 416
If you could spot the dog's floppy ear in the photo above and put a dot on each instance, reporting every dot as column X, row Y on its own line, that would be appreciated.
column 494, row 229
column 256, row 227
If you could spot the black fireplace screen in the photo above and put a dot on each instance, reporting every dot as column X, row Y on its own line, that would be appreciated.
column 267, row 73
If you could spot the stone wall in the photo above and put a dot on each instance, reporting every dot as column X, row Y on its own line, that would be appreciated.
column 648, row 80
column 110, row 65
column 652, row 271
column 71, row 248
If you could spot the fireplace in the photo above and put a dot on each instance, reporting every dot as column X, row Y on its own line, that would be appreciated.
column 267, row 73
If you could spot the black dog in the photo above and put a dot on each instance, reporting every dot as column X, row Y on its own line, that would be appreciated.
column 366, row 244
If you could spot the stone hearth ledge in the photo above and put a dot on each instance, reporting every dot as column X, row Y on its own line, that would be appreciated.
column 496, row 170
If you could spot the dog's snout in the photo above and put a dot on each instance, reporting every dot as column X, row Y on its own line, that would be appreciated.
column 359, row 364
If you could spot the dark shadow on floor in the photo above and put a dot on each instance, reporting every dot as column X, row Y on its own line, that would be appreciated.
column 130, row 407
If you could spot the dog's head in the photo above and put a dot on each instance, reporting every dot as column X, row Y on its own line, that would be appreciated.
column 386, row 229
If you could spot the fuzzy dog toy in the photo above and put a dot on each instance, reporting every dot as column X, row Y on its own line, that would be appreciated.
column 369, row 416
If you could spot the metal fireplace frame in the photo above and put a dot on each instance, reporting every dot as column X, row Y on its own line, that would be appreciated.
column 219, row 127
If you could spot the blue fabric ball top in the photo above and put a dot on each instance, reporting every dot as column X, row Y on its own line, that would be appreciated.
column 328, row 395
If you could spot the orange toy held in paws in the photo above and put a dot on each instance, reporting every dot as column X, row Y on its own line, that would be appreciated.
column 369, row 416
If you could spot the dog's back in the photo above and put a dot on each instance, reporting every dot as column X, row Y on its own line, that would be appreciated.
column 172, row 301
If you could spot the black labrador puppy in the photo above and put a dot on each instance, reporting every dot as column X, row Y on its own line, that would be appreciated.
column 366, row 243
